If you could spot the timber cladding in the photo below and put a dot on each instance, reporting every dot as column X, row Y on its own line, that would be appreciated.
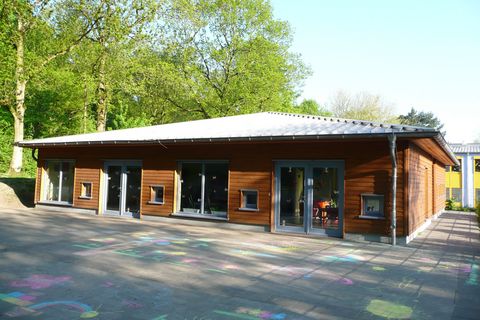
column 38, row 180
column 370, row 172
column 158, row 172
column 439, row 194
column 426, row 187
column 251, row 166
column 87, row 171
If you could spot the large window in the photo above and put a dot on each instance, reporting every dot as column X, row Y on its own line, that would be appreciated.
column 204, row 188
column 457, row 194
column 59, row 181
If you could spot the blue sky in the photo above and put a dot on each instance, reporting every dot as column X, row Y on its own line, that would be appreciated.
column 422, row 54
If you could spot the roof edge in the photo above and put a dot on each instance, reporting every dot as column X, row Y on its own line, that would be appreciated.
column 448, row 150
column 428, row 134
column 356, row 121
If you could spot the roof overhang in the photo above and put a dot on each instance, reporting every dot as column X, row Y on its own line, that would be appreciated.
column 33, row 144
column 438, row 148
column 431, row 141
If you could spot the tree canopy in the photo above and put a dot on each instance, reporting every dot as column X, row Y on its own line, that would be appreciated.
column 363, row 106
column 75, row 66
column 422, row 119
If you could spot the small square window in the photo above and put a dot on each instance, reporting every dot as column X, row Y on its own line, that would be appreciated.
column 249, row 200
column 373, row 205
column 477, row 165
column 157, row 194
column 86, row 190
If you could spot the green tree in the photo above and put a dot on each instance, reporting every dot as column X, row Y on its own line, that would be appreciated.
column 117, row 27
column 34, row 33
column 310, row 106
column 361, row 106
column 422, row 119
column 223, row 57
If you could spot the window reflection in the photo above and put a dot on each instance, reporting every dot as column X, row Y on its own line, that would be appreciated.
column 204, row 188
column 325, row 198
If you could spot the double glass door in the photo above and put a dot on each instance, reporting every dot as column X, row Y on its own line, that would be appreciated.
column 123, row 185
column 309, row 197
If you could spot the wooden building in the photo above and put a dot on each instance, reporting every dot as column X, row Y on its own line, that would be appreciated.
column 282, row 172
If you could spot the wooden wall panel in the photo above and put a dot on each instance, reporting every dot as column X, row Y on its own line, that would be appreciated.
column 158, row 173
column 38, row 180
column 370, row 172
column 439, row 193
column 250, row 174
column 367, row 170
column 421, row 186
column 87, row 170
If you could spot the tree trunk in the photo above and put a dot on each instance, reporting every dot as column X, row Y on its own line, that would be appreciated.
column 18, row 112
column 102, row 94
column 85, row 105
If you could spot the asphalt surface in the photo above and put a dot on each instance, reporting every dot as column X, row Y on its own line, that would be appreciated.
column 58, row 265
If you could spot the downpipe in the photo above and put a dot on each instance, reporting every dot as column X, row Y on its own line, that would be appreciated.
column 393, row 155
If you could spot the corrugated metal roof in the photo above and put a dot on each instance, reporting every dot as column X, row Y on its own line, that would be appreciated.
column 465, row 148
column 256, row 126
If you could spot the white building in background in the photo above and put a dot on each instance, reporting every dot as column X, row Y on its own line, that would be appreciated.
column 463, row 182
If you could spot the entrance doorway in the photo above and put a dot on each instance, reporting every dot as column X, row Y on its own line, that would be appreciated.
column 309, row 197
column 122, row 186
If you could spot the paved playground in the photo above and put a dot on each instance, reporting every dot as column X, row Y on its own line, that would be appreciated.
column 56, row 265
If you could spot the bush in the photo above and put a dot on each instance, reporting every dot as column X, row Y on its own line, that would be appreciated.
column 449, row 204
column 477, row 210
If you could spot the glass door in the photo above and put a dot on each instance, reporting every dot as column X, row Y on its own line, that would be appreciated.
column 292, row 198
column 123, row 185
column 114, row 188
column 133, row 177
column 327, row 200
column 59, row 181
column 309, row 197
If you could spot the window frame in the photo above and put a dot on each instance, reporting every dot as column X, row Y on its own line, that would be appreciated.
column 83, row 189
column 458, row 168
column 243, row 200
column 475, row 161
column 46, row 178
column 363, row 212
column 221, row 215
column 153, row 194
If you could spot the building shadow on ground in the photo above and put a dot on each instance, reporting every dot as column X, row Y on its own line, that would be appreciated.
column 23, row 188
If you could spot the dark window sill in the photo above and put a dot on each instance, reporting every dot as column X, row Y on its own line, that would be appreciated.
column 85, row 198
column 55, row 203
column 371, row 217
column 199, row 216
column 248, row 209
column 155, row 202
